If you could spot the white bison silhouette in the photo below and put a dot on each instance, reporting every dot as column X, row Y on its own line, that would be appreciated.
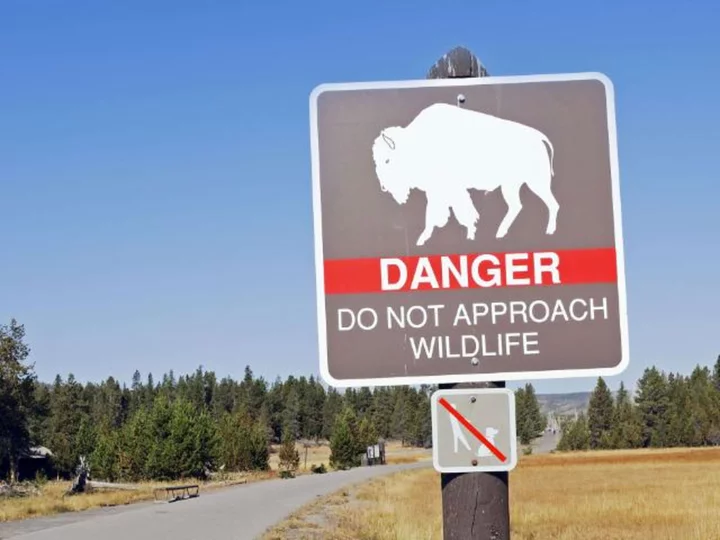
column 446, row 151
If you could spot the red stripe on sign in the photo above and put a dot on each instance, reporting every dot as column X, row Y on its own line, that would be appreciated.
column 471, row 271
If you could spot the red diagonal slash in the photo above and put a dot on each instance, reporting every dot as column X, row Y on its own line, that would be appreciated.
column 479, row 436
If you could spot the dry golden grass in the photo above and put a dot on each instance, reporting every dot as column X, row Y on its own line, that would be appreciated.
column 395, row 453
column 662, row 494
column 316, row 455
column 51, row 499
column 400, row 460
column 629, row 495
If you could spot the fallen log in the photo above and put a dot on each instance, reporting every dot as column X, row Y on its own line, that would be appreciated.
column 109, row 485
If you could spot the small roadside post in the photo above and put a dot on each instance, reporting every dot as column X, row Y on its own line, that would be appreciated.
column 468, row 232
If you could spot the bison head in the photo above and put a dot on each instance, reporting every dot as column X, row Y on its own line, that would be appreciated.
column 388, row 164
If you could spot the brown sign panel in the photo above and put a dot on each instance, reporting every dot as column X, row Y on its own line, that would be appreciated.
column 468, row 230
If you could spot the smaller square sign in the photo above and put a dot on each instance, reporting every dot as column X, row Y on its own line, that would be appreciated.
column 474, row 430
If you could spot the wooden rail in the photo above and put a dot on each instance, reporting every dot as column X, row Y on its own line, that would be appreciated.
column 176, row 493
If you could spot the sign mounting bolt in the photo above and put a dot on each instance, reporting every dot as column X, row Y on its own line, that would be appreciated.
column 474, row 361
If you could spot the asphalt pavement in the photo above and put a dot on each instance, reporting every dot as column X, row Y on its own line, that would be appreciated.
column 545, row 443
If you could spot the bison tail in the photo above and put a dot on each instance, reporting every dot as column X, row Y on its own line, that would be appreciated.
column 552, row 154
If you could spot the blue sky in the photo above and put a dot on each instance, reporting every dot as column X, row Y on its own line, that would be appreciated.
column 138, row 141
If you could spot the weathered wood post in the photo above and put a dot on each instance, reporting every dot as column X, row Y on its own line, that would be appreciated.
column 475, row 505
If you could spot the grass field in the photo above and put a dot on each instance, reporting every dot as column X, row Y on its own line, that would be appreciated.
column 394, row 453
column 633, row 495
column 51, row 499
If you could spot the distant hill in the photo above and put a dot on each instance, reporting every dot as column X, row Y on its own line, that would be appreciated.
column 561, row 404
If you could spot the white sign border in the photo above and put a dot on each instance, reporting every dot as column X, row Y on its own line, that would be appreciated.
column 435, row 411
column 468, row 377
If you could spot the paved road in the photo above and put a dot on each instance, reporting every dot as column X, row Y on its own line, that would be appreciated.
column 545, row 443
column 237, row 513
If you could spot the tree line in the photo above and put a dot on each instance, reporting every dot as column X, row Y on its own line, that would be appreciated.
column 668, row 410
column 192, row 425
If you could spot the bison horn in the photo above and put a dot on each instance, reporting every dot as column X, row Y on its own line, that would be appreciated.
column 389, row 141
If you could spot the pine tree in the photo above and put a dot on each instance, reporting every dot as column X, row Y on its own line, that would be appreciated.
column 520, row 413
column 575, row 435
column 104, row 460
column 714, row 435
column 421, row 432
column 345, row 449
column 17, row 382
column 193, row 442
column 530, row 423
column 148, row 394
column 403, row 415
column 234, row 430
column 366, row 433
column 702, row 405
column 626, row 427
column 291, row 417
column 363, row 401
column 136, row 388
column 382, row 409
column 86, row 438
column 141, row 453
column 258, row 448
column 600, row 416
column 159, row 464
column 315, row 402
column 289, row 457
column 67, row 411
column 108, row 405
column 38, row 416
column 653, row 402
column 331, row 411
column 681, row 430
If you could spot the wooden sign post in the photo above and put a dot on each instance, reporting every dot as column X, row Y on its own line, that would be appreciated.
column 475, row 505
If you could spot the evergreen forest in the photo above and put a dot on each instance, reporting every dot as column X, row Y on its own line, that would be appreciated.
column 183, row 426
